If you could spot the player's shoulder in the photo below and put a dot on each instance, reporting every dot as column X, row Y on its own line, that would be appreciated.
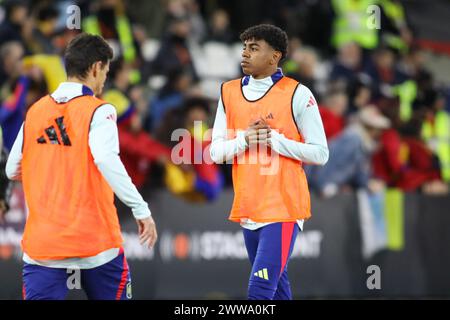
column 303, row 97
column 105, row 108
column 290, row 81
column 97, row 105
column 39, row 104
column 303, row 90
column 232, row 82
column 288, row 85
column 104, row 114
column 298, row 86
column 94, row 100
column 229, row 86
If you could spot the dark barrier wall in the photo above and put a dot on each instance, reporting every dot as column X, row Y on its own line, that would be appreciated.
column 200, row 254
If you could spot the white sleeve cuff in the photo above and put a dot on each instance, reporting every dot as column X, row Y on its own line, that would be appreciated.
column 275, row 141
column 141, row 212
column 242, row 143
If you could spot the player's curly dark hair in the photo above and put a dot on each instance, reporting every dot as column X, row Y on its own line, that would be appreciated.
column 273, row 35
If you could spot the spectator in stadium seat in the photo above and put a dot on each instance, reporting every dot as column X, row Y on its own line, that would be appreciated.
column 139, row 150
column 423, row 171
column 350, row 154
column 169, row 97
column 413, row 64
column 348, row 64
column 22, row 87
column 306, row 61
column 384, row 72
column 403, row 160
column 219, row 27
column 333, row 111
column 174, row 52
column 359, row 95
column 11, row 67
column 46, row 23
column 199, row 27
column 200, row 179
column 11, row 29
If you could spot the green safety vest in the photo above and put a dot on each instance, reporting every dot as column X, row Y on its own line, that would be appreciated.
column 441, row 132
column 396, row 12
column 407, row 92
column 91, row 25
column 350, row 24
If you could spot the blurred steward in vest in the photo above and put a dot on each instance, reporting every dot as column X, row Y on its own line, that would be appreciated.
column 354, row 20
column 109, row 19
column 436, row 129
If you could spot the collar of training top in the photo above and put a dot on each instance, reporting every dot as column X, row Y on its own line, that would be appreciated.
column 275, row 77
column 70, row 90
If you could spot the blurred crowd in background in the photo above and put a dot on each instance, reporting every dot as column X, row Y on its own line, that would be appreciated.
column 385, row 116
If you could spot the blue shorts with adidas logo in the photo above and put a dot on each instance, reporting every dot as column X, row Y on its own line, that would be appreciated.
column 269, row 249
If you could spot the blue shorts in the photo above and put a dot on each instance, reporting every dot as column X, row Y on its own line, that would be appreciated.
column 111, row 281
column 269, row 249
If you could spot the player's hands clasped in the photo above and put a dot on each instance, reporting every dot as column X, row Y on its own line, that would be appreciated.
column 147, row 231
column 258, row 133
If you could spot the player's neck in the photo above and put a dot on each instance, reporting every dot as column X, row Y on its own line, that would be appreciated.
column 265, row 74
column 86, row 83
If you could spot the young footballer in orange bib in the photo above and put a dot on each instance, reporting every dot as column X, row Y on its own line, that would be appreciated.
column 267, row 125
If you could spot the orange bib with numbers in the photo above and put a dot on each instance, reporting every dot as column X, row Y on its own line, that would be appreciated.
column 71, row 206
column 268, row 187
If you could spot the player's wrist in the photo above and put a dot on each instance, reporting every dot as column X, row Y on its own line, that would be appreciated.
column 242, row 139
column 143, row 212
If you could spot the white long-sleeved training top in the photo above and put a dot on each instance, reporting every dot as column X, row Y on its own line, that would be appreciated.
column 104, row 145
column 309, row 123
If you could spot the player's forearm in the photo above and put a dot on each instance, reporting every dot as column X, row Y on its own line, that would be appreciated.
column 120, row 182
column 13, row 167
column 104, row 145
column 305, row 152
column 223, row 150
column 314, row 150
column 13, row 173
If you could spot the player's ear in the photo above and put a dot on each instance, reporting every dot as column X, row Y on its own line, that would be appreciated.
column 276, row 57
column 96, row 67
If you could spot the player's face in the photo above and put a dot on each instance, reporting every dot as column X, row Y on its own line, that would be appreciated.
column 257, row 57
